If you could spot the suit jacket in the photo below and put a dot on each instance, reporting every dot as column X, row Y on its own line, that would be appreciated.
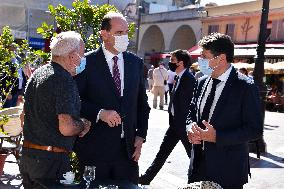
column 98, row 91
column 181, row 102
column 237, row 120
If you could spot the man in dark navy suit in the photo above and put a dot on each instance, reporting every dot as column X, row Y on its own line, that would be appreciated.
column 114, row 98
column 225, row 115
column 181, row 95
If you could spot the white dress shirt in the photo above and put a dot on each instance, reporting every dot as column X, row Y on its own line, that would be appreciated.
column 178, row 82
column 219, row 88
column 120, row 63
column 171, row 76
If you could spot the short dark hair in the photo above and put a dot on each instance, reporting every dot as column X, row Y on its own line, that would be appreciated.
column 105, row 25
column 244, row 71
column 183, row 55
column 218, row 44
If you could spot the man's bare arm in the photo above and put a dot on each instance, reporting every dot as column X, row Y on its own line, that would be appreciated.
column 70, row 126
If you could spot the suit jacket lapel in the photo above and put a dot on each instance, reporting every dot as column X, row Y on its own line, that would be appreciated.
column 181, row 83
column 201, row 92
column 127, row 73
column 106, row 74
column 224, row 96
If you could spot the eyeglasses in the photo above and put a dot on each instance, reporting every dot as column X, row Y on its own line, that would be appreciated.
column 215, row 57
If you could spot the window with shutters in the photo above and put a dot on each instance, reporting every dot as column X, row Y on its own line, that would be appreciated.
column 280, row 35
column 230, row 30
column 274, row 30
column 213, row 29
column 268, row 34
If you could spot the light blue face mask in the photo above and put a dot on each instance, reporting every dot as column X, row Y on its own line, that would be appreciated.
column 81, row 67
column 204, row 66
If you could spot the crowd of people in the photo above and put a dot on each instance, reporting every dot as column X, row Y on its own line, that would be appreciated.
column 96, row 105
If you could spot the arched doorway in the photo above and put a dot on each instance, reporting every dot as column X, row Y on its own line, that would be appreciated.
column 184, row 38
column 152, row 40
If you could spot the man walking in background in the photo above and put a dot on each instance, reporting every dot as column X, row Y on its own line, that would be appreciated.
column 150, row 78
column 160, row 77
column 178, row 109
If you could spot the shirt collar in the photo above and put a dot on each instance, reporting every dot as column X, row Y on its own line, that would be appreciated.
column 181, row 73
column 109, row 55
column 226, row 74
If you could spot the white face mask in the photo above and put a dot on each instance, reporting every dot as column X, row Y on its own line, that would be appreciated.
column 121, row 43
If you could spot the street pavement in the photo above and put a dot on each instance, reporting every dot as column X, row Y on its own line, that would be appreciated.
column 267, row 172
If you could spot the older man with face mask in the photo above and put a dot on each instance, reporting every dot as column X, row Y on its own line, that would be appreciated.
column 113, row 97
column 52, row 110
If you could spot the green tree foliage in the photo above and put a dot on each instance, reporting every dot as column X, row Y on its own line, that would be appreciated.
column 6, row 42
column 23, row 51
column 83, row 18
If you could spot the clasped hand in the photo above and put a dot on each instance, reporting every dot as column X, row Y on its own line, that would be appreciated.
column 87, row 126
column 196, row 134
column 111, row 117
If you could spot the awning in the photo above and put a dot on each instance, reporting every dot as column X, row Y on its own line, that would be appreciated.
column 276, row 68
column 195, row 51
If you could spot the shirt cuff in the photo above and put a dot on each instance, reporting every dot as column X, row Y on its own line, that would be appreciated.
column 189, row 126
column 98, row 116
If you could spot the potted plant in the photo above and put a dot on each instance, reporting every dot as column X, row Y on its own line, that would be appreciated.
column 3, row 155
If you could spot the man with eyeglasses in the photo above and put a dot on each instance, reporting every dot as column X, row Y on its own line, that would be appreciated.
column 225, row 115
column 114, row 98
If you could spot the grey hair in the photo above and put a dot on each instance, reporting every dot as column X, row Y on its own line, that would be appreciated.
column 64, row 43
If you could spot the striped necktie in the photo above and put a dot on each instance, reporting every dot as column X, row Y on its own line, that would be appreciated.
column 116, row 75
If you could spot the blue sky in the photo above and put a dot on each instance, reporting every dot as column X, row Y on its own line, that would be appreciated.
column 223, row 2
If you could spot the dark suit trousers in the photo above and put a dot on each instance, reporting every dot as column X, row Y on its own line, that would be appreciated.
column 171, row 138
column 199, row 169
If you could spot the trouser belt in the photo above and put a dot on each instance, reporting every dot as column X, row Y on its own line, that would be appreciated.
column 31, row 145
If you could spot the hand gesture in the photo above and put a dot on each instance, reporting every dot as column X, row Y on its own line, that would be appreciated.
column 194, row 135
column 209, row 134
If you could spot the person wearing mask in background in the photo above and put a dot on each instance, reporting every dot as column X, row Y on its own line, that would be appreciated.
column 244, row 71
column 170, row 83
column 181, row 95
column 160, row 77
column 113, row 97
column 18, row 83
column 225, row 115
column 198, row 75
column 52, row 113
column 150, row 78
